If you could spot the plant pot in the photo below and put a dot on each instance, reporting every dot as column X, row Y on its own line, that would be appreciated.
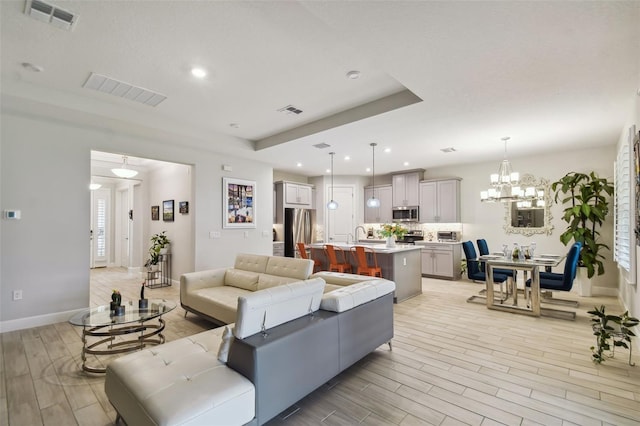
column 119, row 311
column 166, row 249
column 391, row 242
column 154, row 268
column 143, row 303
column 584, row 282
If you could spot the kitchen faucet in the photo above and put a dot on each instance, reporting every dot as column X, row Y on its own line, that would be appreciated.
column 355, row 233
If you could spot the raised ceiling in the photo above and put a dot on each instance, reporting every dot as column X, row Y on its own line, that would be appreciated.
column 551, row 75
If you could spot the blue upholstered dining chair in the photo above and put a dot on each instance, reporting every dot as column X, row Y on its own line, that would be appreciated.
column 561, row 282
column 483, row 248
column 473, row 268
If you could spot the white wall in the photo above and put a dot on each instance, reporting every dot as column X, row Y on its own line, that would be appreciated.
column 486, row 220
column 45, row 172
column 170, row 182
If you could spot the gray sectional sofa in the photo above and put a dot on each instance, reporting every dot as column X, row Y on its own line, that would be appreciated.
column 287, row 341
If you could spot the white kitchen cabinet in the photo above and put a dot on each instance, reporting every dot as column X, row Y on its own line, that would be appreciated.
column 382, row 214
column 406, row 189
column 441, row 260
column 298, row 194
column 440, row 201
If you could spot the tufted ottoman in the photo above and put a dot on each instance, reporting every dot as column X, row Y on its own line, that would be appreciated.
column 180, row 383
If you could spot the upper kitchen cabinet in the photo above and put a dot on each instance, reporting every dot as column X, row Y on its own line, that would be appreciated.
column 406, row 190
column 440, row 201
column 380, row 214
column 291, row 195
column 296, row 195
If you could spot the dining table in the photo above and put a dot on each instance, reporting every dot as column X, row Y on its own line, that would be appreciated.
column 529, row 266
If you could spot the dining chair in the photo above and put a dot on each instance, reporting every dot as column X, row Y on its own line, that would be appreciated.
column 561, row 282
column 483, row 249
column 317, row 265
column 473, row 269
column 336, row 265
column 363, row 268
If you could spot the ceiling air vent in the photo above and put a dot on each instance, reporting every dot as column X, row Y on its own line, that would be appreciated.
column 321, row 145
column 117, row 88
column 290, row 109
column 51, row 14
column 450, row 149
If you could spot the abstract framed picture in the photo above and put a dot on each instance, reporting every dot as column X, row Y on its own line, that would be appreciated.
column 239, row 203
column 155, row 212
column 167, row 210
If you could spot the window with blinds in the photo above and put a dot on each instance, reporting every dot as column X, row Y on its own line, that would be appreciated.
column 624, row 244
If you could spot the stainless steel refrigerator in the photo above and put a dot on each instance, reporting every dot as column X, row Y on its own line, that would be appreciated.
column 298, row 228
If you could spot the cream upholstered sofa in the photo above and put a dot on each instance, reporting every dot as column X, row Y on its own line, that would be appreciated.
column 283, row 348
column 214, row 293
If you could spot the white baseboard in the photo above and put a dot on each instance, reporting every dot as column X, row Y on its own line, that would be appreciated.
column 604, row 291
column 37, row 321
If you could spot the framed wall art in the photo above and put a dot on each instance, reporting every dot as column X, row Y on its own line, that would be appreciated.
column 183, row 207
column 238, row 203
column 155, row 212
column 167, row 210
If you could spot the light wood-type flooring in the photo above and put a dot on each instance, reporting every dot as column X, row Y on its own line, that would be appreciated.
column 452, row 363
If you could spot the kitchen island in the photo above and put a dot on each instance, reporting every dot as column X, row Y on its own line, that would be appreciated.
column 400, row 264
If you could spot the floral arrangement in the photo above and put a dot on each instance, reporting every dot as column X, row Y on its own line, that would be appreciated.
column 390, row 230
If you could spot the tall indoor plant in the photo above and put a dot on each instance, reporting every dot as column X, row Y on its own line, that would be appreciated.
column 585, row 197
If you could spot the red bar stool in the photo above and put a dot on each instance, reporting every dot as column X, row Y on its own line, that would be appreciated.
column 360, row 255
column 317, row 266
column 334, row 264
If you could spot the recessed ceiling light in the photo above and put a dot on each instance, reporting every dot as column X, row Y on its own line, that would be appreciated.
column 347, row 158
column 32, row 67
column 406, row 163
column 387, row 150
column 368, row 169
column 198, row 72
column 299, row 165
column 353, row 75
column 328, row 170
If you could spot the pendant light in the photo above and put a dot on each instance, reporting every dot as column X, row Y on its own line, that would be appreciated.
column 373, row 202
column 123, row 171
column 332, row 205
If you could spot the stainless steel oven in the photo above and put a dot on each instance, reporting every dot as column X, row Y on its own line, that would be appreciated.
column 406, row 214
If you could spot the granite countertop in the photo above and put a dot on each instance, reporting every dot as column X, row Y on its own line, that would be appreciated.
column 422, row 243
column 378, row 248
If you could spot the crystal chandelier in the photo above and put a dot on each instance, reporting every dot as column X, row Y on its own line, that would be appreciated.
column 504, row 184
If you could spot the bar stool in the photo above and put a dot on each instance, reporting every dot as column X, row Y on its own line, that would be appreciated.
column 317, row 266
column 334, row 264
column 360, row 255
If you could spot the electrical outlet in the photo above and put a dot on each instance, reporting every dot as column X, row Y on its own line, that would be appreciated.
column 214, row 234
column 17, row 294
column 246, row 234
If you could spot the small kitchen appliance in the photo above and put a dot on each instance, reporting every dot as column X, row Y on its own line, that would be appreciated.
column 447, row 236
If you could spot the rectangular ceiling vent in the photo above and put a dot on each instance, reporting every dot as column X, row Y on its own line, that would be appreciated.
column 450, row 149
column 321, row 145
column 51, row 14
column 290, row 109
column 117, row 88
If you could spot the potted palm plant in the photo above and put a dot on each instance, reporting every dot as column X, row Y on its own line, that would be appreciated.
column 586, row 201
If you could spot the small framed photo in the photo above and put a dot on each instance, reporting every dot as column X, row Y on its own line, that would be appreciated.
column 239, row 204
column 183, row 207
column 155, row 212
column 167, row 210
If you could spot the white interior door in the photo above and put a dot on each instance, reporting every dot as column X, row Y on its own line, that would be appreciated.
column 340, row 222
column 100, row 203
column 122, row 251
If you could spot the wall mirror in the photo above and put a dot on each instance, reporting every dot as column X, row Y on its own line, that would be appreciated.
column 531, row 216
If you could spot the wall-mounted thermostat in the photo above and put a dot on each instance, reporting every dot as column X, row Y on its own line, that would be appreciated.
column 11, row 214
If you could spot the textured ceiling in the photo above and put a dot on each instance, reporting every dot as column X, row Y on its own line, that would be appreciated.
column 552, row 75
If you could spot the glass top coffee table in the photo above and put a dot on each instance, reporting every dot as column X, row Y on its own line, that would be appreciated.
column 118, row 334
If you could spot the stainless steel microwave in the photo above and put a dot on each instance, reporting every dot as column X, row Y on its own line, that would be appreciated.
column 406, row 214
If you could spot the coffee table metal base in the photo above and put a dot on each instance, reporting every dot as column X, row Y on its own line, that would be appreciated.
column 108, row 345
